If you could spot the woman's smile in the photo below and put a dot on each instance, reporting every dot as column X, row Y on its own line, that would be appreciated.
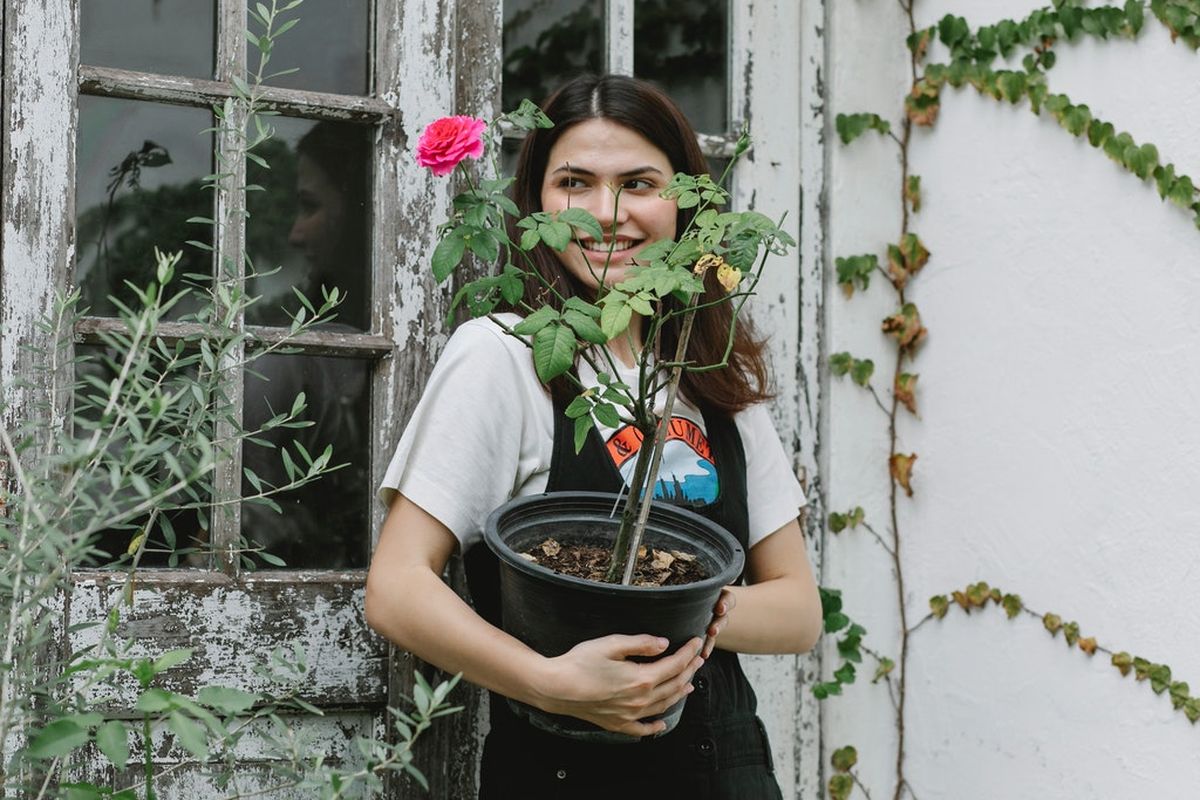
column 615, row 174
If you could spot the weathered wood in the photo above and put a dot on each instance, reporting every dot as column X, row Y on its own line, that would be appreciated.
column 131, row 85
column 618, row 36
column 232, row 625
column 314, row 343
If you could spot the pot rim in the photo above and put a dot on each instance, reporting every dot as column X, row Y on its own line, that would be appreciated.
column 506, row 554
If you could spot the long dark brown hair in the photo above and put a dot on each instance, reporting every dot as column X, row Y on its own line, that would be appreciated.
column 646, row 110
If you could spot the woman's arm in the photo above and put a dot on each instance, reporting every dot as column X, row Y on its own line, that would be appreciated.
column 779, row 611
column 407, row 602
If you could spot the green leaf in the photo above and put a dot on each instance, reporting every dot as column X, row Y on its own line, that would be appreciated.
column 835, row 622
column 553, row 351
column 584, row 326
column 615, row 316
column 536, row 321
column 583, row 425
column 154, row 701
column 607, row 415
column 885, row 667
column 226, row 699
column 844, row 673
column 578, row 407
column 448, row 254
column 939, row 604
column 851, row 126
column 840, row 363
column 1012, row 605
column 484, row 244
column 837, row 522
column 583, row 220
column 840, row 786
column 58, row 739
column 170, row 659
column 844, row 758
column 861, row 371
column 530, row 239
column 189, row 733
column 555, row 234
column 113, row 741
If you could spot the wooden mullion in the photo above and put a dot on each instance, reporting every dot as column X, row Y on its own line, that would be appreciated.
column 230, row 246
column 89, row 330
column 176, row 90
column 618, row 36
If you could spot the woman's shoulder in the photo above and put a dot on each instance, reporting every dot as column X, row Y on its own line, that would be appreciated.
column 483, row 346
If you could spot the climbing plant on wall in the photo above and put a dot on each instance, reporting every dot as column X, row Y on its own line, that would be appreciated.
column 981, row 58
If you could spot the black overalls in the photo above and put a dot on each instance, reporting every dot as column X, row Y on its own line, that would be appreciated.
column 719, row 750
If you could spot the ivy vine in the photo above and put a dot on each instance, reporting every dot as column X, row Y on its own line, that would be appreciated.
column 971, row 57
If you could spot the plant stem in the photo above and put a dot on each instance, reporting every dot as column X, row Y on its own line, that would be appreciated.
column 660, row 439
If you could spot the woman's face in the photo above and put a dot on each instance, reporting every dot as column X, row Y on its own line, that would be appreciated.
column 320, row 215
column 616, row 174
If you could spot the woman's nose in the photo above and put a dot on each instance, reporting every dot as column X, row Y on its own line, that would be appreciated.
column 611, row 208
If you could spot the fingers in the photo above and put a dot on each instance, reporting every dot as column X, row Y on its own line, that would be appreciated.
column 619, row 647
column 724, row 605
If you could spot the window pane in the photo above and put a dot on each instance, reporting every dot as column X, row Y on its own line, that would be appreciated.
column 327, row 47
column 311, row 221
column 682, row 45
column 548, row 42
column 139, row 179
column 325, row 523
column 175, row 37
column 179, row 536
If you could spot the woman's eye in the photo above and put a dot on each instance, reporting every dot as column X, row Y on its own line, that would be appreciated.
column 571, row 183
column 638, row 184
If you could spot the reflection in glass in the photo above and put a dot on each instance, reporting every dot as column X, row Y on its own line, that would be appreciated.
column 716, row 168
column 324, row 524
column 548, row 42
column 179, row 536
column 327, row 48
column 311, row 221
column 173, row 37
column 682, row 46
column 139, row 169
column 510, row 152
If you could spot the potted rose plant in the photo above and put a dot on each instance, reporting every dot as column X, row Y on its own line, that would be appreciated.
column 666, row 287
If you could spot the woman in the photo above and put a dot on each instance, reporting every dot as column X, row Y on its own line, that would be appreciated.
column 486, row 430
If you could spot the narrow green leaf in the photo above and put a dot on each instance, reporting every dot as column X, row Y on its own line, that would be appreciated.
column 113, row 741
column 189, row 734
column 57, row 739
column 226, row 699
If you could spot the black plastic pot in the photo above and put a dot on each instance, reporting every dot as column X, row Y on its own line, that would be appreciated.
column 552, row 613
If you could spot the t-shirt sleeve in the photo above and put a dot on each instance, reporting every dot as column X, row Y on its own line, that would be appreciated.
column 462, row 453
column 773, row 493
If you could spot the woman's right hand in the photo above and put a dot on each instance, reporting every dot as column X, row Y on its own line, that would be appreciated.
column 594, row 681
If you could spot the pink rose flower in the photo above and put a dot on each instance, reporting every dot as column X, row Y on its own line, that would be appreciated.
column 448, row 141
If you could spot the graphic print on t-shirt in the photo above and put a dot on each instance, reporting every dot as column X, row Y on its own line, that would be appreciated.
column 688, row 475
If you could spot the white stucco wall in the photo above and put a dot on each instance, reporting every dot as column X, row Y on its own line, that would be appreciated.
column 1059, row 435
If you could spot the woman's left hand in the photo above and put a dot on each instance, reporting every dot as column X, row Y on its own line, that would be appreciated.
column 721, row 609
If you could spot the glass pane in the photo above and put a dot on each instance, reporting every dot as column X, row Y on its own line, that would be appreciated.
column 139, row 172
column 182, row 529
column 325, row 523
column 175, row 37
column 327, row 48
column 682, row 45
column 548, row 42
column 717, row 167
column 510, row 152
column 311, row 221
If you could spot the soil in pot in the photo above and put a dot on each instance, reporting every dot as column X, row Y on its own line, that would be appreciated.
column 655, row 567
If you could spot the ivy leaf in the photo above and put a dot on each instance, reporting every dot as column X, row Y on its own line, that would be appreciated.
column 901, row 467
column 1182, row 192
column 1052, row 623
column 1071, row 633
column 922, row 103
column 1160, row 678
column 1123, row 661
column 912, row 192
column 1135, row 13
column 837, row 522
column 1192, row 709
column 905, row 389
column 840, row 786
column 840, row 363
column 553, row 351
column 886, row 665
column 1012, row 605
column 939, row 604
column 835, row 622
column 1179, row 694
column 978, row 594
column 851, row 126
column 855, row 271
column 905, row 326
column 844, row 673
column 1088, row 645
column 844, row 758
column 862, row 370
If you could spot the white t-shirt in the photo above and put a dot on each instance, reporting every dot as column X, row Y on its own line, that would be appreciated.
column 483, row 433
